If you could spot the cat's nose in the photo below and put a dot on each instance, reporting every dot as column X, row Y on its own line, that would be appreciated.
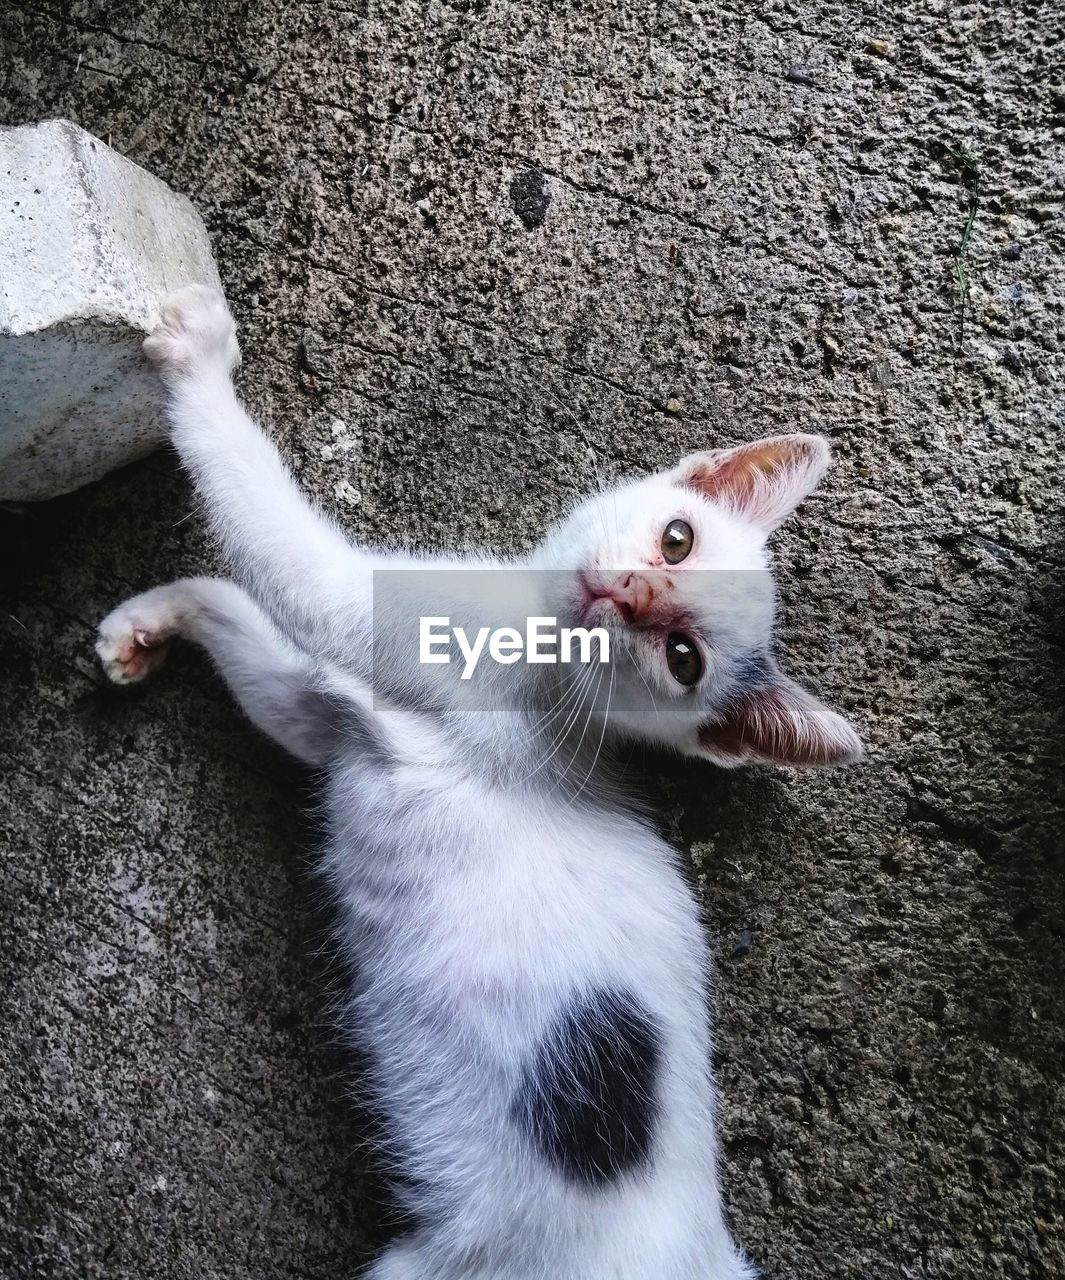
column 634, row 595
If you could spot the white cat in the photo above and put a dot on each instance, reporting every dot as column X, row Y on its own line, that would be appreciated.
column 532, row 973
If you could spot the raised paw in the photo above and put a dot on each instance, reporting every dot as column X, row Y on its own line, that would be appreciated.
column 133, row 640
column 195, row 335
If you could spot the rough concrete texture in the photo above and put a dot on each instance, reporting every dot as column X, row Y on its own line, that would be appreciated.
column 88, row 243
column 479, row 251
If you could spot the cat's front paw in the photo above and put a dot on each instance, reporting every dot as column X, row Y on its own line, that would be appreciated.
column 195, row 335
column 133, row 640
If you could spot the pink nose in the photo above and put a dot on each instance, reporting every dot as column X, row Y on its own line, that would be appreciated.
column 633, row 595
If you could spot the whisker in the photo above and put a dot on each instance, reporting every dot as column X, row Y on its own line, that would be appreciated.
column 584, row 730
column 599, row 745
column 551, row 712
column 650, row 691
column 580, row 684
column 585, row 689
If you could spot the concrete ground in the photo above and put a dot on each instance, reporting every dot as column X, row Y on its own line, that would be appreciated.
column 479, row 249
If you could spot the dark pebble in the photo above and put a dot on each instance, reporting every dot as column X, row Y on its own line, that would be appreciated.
column 744, row 945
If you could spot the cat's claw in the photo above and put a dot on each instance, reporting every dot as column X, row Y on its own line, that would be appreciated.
column 127, row 650
column 195, row 335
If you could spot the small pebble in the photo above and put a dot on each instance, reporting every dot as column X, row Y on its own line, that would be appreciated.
column 744, row 945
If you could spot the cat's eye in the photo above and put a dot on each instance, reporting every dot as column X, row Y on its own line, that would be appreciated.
column 683, row 658
column 677, row 541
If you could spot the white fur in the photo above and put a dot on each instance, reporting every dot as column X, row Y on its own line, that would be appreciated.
column 485, row 869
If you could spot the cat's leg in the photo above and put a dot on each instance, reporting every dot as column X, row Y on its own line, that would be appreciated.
column 295, row 699
column 289, row 553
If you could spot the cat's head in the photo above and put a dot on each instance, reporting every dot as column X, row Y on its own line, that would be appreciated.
column 675, row 567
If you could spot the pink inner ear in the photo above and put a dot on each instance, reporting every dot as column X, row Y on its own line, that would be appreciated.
column 783, row 724
column 764, row 481
column 738, row 471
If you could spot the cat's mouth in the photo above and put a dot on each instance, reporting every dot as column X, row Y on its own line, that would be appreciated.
column 597, row 602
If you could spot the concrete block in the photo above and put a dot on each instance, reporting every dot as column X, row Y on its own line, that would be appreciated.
column 89, row 243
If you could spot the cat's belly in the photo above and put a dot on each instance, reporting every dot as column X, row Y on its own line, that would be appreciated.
column 531, row 999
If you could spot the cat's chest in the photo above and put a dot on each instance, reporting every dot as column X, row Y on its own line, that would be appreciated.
column 483, row 879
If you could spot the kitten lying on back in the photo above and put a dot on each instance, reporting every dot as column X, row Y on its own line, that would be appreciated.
column 532, row 974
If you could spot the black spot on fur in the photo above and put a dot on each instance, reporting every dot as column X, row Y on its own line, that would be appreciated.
column 529, row 197
column 753, row 670
column 588, row 1100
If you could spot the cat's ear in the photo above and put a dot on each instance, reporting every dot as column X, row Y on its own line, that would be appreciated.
column 778, row 722
column 763, row 482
